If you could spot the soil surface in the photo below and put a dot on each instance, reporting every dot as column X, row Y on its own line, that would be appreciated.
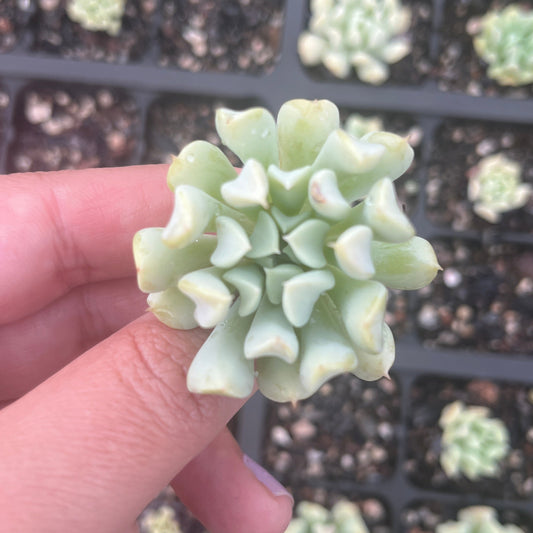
column 458, row 147
column 14, row 15
column 4, row 104
column 54, row 32
column 412, row 69
column 512, row 403
column 79, row 127
column 235, row 35
column 344, row 431
column 482, row 300
column 460, row 68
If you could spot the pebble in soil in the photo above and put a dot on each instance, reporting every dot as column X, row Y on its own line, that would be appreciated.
column 457, row 148
column 14, row 16
column 55, row 33
column 175, row 121
column 373, row 511
column 482, row 300
column 459, row 67
column 510, row 402
column 235, row 35
column 79, row 127
column 424, row 516
column 411, row 70
column 347, row 430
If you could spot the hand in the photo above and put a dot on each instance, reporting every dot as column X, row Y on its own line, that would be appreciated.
column 96, row 416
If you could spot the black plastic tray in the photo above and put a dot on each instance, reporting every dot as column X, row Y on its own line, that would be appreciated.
column 428, row 105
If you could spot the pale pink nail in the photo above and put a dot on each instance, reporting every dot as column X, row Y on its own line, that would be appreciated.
column 271, row 483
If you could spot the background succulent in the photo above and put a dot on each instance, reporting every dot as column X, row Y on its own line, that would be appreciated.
column 477, row 519
column 344, row 517
column 160, row 520
column 364, row 34
column 472, row 443
column 494, row 187
column 278, row 258
column 503, row 40
column 97, row 15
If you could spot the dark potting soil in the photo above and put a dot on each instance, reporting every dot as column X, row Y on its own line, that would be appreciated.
column 373, row 511
column 510, row 402
column 412, row 69
column 175, row 121
column 55, row 33
column 14, row 15
column 235, row 35
column 424, row 516
column 344, row 431
column 460, row 68
column 79, row 127
column 457, row 148
column 4, row 104
column 482, row 300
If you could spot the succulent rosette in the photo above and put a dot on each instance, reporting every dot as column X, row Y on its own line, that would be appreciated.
column 477, row 519
column 288, row 258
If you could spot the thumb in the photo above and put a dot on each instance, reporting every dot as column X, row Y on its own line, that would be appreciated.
column 99, row 439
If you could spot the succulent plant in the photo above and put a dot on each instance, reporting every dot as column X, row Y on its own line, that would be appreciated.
column 160, row 520
column 494, row 187
column 278, row 258
column 358, row 125
column 472, row 443
column 477, row 519
column 364, row 34
column 97, row 15
column 344, row 517
column 503, row 40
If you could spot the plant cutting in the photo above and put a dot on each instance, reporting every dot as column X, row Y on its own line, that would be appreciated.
column 502, row 38
column 344, row 517
column 289, row 259
column 477, row 519
column 97, row 15
column 495, row 187
column 473, row 444
column 367, row 35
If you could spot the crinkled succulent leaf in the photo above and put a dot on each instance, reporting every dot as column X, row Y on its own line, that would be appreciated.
column 97, row 15
column 275, row 258
column 473, row 444
column 494, row 187
column 367, row 35
column 311, row 517
column 477, row 519
column 503, row 40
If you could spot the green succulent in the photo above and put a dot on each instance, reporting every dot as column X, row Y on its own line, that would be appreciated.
column 477, row 519
column 289, row 259
column 472, row 443
column 494, row 187
column 365, row 34
column 160, row 520
column 504, row 40
column 97, row 15
column 344, row 517
column 358, row 125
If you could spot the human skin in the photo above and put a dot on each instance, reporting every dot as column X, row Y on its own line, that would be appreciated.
column 95, row 414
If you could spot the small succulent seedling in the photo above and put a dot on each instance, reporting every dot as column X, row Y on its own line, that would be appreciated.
column 494, row 187
column 160, row 520
column 97, row 15
column 472, row 443
column 503, row 40
column 365, row 34
column 275, row 257
column 477, row 519
column 358, row 125
column 344, row 517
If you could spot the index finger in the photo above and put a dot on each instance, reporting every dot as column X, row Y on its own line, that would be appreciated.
column 63, row 229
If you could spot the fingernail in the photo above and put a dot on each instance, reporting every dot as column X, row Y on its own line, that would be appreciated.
column 271, row 483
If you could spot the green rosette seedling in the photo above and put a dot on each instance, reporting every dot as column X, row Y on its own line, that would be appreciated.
column 97, row 15
column 477, row 519
column 503, row 40
column 160, row 520
column 494, row 187
column 289, row 259
column 344, row 517
column 367, row 35
column 473, row 444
